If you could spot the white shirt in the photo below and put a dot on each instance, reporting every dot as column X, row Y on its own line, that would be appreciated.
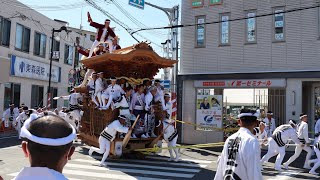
column 287, row 132
column 137, row 102
column 113, row 89
column 168, row 108
column 115, row 127
column 91, row 84
column 74, row 98
column 99, row 85
column 21, row 119
column 105, row 30
column 317, row 127
column 246, row 154
column 303, row 132
column 39, row 173
column 7, row 114
column 148, row 100
column 270, row 126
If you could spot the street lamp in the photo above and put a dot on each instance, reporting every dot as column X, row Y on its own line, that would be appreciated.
column 63, row 28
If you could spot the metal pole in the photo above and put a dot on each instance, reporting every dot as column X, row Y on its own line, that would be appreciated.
column 49, row 87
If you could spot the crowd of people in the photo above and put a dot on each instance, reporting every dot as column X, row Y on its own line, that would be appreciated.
column 241, row 155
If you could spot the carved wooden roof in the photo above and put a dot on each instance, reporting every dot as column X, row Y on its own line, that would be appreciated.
column 138, row 61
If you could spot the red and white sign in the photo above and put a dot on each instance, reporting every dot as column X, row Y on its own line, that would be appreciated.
column 242, row 83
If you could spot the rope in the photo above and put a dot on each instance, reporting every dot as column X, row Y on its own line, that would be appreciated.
column 228, row 130
column 156, row 148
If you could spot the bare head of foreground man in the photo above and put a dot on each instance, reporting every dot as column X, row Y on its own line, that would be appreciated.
column 240, row 157
column 47, row 143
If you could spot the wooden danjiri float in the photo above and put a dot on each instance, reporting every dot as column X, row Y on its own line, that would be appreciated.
column 130, row 65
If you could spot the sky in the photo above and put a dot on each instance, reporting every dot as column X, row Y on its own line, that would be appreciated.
column 150, row 17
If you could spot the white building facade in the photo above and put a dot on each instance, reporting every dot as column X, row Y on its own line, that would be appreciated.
column 278, row 51
column 25, row 42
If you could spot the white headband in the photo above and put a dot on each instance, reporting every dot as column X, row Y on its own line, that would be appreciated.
column 291, row 122
column 270, row 114
column 25, row 133
column 247, row 114
column 303, row 116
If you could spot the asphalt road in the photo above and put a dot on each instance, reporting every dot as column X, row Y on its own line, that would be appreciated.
column 198, row 164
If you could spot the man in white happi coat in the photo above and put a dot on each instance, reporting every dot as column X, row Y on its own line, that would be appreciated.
column 99, row 87
column 159, row 96
column 317, row 131
column 168, row 104
column 260, row 133
column 240, row 157
column 149, row 116
column 23, row 116
column 107, row 136
column 9, row 115
column 277, row 143
column 304, row 139
column 48, row 146
column 170, row 134
column 91, row 88
column 270, row 123
column 316, row 161
column 75, row 100
column 110, row 91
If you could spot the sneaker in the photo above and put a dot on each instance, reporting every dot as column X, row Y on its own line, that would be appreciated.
column 143, row 136
column 147, row 135
column 285, row 165
column 153, row 135
column 103, row 164
column 90, row 152
column 307, row 167
column 314, row 173
column 133, row 136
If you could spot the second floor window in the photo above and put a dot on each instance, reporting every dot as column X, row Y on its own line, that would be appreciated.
column 279, row 29
column 22, row 38
column 5, row 27
column 40, row 41
column 251, row 33
column 225, row 29
column 68, row 55
column 200, row 31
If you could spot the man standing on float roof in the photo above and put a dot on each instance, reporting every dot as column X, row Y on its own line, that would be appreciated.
column 105, row 34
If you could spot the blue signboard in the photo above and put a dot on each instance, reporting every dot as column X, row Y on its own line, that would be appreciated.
column 137, row 3
column 165, row 83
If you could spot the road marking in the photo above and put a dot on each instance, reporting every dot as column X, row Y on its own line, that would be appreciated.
column 158, row 162
column 143, row 166
column 145, row 172
column 288, row 174
column 192, row 160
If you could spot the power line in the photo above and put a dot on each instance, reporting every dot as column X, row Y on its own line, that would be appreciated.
column 231, row 20
column 124, row 26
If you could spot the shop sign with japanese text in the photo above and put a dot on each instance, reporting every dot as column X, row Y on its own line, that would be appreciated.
column 242, row 83
column 27, row 68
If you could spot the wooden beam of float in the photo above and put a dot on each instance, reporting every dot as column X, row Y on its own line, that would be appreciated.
column 138, row 61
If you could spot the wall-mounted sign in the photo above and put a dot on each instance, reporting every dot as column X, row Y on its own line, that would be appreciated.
column 241, row 83
column 197, row 3
column 215, row 2
column 27, row 68
column 209, row 112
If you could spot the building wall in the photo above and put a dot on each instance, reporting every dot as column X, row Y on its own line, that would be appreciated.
column 37, row 22
column 299, row 51
column 189, row 134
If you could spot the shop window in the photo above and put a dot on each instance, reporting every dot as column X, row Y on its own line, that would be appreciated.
column 22, row 38
column 11, row 94
column 37, row 96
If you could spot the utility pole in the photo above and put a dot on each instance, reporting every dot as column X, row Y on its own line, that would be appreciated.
column 173, row 16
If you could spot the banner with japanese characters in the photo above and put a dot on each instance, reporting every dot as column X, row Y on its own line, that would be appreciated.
column 242, row 83
column 209, row 112
column 27, row 68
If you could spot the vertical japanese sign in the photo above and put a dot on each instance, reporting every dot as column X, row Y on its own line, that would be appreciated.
column 209, row 112
column 196, row 3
